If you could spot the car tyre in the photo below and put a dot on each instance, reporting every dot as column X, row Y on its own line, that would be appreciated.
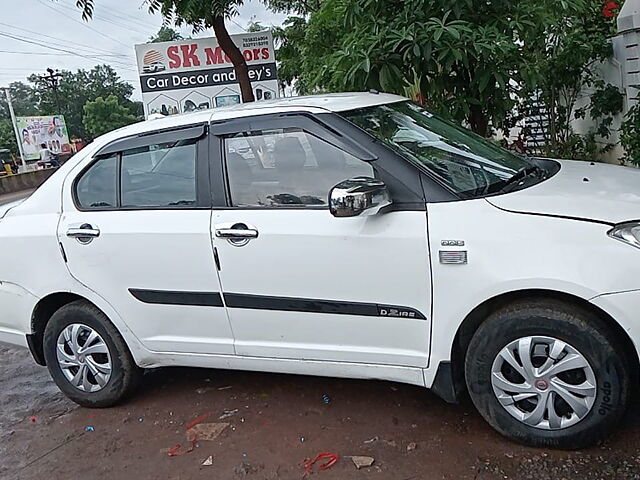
column 549, row 324
column 104, row 378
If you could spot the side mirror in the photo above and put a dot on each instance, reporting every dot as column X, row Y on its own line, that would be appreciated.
column 358, row 196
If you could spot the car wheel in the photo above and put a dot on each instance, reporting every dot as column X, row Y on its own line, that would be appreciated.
column 87, row 357
column 548, row 374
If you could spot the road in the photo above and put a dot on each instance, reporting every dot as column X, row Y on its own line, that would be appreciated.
column 276, row 421
column 12, row 197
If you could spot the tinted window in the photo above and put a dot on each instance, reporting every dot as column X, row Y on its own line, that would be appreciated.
column 97, row 186
column 286, row 167
column 159, row 175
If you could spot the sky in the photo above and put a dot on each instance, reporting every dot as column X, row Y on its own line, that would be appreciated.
column 40, row 34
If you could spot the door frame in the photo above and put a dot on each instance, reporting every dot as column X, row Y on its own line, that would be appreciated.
column 403, row 179
column 197, row 132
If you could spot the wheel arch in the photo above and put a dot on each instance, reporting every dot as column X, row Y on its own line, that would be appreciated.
column 479, row 314
column 41, row 315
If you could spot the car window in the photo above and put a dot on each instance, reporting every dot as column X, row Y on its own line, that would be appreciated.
column 470, row 165
column 96, row 188
column 284, row 167
column 159, row 175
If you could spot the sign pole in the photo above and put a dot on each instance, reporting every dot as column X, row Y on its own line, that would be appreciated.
column 15, row 128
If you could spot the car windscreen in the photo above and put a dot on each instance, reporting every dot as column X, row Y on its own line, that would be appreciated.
column 468, row 164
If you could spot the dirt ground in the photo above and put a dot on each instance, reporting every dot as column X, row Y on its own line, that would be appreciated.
column 275, row 422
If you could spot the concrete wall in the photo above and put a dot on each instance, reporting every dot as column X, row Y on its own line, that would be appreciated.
column 24, row 181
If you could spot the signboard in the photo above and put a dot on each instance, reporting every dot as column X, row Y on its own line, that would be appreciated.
column 188, row 75
column 34, row 131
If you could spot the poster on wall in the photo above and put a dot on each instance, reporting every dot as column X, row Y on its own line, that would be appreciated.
column 51, row 130
column 195, row 74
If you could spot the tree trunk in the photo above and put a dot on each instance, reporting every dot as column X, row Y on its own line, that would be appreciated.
column 237, row 59
column 479, row 121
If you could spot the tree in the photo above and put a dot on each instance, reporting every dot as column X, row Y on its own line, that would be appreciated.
column 465, row 58
column 104, row 115
column 8, row 136
column 166, row 34
column 562, row 69
column 290, row 41
column 75, row 90
column 204, row 14
column 630, row 135
column 255, row 27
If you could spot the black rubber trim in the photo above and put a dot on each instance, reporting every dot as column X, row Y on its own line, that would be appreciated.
column 287, row 304
column 166, row 297
column 36, row 353
column 444, row 385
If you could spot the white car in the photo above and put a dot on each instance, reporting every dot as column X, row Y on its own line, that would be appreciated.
column 356, row 236
column 153, row 67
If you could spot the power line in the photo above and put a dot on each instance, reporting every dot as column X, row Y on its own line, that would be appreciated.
column 122, row 65
column 100, row 18
column 56, row 54
column 237, row 24
column 121, row 16
column 41, row 2
column 60, row 40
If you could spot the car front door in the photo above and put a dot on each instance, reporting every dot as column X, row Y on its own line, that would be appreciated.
column 303, row 284
column 135, row 229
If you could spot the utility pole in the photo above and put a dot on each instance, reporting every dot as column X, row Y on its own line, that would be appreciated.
column 52, row 82
column 15, row 129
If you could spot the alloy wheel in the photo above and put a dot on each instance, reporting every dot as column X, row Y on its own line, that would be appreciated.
column 83, row 357
column 544, row 382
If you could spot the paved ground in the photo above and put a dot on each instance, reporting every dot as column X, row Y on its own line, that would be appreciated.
column 276, row 421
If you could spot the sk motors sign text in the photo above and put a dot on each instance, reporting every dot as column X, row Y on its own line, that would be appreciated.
column 179, row 77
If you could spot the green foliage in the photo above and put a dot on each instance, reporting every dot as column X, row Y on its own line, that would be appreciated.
column 289, row 40
column 630, row 136
column 75, row 90
column 7, row 136
column 255, row 27
column 468, row 59
column 166, row 34
column 104, row 115
column 565, row 66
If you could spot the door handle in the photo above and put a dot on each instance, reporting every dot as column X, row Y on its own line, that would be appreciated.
column 233, row 233
column 84, row 233
column 237, row 234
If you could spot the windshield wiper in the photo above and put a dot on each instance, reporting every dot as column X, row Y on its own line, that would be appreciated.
column 521, row 175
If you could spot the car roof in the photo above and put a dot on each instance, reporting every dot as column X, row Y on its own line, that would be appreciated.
column 334, row 102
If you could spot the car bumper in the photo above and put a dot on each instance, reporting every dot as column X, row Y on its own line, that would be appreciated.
column 17, row 305
column 624, row 307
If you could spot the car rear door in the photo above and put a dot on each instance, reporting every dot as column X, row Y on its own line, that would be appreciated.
column 298, row 282
column 136, row 230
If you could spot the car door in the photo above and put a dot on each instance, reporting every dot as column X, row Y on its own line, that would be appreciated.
column 136, row 230
column 299, row 283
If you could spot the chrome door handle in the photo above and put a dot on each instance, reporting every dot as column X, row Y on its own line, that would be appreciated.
column 239, row 234
column 84, row 233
